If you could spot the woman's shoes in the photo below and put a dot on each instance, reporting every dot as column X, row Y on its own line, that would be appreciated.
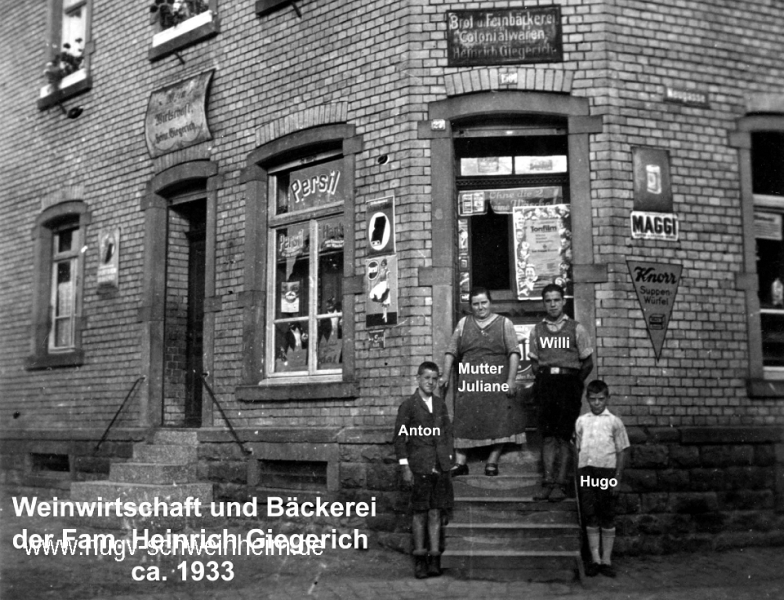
column 491, row 469
column 459, row 470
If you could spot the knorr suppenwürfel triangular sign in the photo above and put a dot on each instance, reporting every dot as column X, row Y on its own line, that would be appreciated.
column 656, row 285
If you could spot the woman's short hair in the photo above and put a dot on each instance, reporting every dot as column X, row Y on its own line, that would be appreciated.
column 478, row 291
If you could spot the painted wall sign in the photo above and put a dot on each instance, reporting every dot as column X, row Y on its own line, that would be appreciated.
column 381, row 278
column 315, row 185
column 654, row 226
column 689, row 97
column 381, row 226
column 656, row 285
column 177, row 116
column 504, row 37
column 652, row 190
column 109, row 257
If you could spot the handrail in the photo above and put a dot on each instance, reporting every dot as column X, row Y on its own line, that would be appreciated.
column 223, row 414
column 119, row 410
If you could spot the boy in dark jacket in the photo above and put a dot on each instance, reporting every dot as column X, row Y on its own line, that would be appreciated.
column 423, row 445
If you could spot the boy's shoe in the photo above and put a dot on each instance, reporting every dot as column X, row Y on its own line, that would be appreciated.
column 592, row 569
column 420, row 566
column 607, row 570
column 491, row 469
column 433, row 565
column 459, row 470
column 557, row 494
column 544, row 492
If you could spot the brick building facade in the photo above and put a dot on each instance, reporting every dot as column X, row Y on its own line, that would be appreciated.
column 374, row 94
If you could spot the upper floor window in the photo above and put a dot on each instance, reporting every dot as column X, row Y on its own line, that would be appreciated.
column 305, row 242
column 180, row 23
column 67, row 70
column 59, row 237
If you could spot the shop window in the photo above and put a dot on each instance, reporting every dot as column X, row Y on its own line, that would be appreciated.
column 57, row 320
column 180, row 23
column 67, row 69
column 305, row 286
column 767, row 174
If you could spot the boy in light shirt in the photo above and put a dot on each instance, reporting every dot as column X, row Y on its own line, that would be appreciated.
column 602, row 445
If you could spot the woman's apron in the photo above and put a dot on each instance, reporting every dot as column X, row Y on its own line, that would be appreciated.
column 481, row 415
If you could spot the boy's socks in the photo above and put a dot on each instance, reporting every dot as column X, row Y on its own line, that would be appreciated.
column 608, row 538
column 594, row 535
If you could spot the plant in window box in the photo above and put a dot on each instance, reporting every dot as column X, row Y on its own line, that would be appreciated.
column 169, row 13
column 64, row 63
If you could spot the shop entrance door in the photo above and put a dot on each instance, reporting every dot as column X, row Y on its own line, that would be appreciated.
column 184, row 330
column 514, row 219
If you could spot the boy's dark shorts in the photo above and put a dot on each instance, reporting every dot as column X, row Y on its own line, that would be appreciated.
column 431, row 491
column 598, row 505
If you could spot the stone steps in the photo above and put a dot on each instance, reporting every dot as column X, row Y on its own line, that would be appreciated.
column 163, row 471
column 499, row 532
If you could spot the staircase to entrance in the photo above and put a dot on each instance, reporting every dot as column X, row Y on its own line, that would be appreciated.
column 499, row 532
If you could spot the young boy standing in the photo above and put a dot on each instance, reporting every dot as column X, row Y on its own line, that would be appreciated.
column 423, row 445
column 602, row 445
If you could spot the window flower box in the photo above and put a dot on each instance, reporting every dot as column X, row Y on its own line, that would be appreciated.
column 182, row 33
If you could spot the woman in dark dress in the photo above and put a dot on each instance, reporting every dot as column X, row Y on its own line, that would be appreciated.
column 487, row 413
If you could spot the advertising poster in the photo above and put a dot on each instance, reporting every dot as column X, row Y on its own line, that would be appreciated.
column 109, row 257
column 656, row 285
column 543, row 248
column 381, row 285
column 381, row 226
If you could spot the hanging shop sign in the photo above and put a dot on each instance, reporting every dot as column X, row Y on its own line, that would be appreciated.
column 381, row 226
column 503, row 201
column 654, row 226
column 381, row 285
column 652, row 189
column 109, row 257
column 504, row 37
column 656, row 285
column 177, row 116
column 315, row 185
column 543, row 249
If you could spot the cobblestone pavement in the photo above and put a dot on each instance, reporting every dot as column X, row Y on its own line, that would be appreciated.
column 752, row 573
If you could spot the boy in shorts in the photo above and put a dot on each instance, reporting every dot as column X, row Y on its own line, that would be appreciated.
column 601, row 445
column 423, row 445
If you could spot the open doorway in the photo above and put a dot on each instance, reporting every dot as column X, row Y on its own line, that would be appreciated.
column 184, row 326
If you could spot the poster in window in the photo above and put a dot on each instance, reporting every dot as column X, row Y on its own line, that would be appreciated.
column 543, row 248
column 381, row 277
column 289, row 297
column 462, row 236
column 767, row 226
column 381, row 226
column 109, row 257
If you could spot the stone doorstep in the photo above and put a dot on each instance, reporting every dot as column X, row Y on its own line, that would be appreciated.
column 493, row 543
column 165, row 454
column 513, row 530
column 513, row 565
column 181, row 437
column 534, row 517
column 152, row 473
column 501, row 486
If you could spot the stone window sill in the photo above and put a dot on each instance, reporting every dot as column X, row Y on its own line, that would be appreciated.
column 282, row 392
column 188, row 32
column 765, row 388
column 70, row 85
column 73, row 358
